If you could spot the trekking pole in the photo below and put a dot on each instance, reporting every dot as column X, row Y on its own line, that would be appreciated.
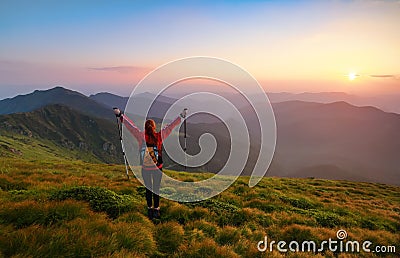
column 118, row 113
column 184, row 137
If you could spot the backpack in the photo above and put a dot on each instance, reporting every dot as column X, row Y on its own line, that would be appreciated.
column 149, row 156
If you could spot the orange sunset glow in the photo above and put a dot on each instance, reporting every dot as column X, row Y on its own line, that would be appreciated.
column 291, row 46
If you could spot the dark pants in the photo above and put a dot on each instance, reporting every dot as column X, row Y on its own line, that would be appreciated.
column 152, row 181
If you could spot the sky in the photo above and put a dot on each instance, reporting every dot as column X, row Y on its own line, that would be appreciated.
column 288, row 46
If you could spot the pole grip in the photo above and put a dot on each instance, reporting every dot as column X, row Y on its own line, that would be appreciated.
column 184, row 128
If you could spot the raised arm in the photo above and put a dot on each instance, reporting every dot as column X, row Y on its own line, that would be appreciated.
column 166, row 131
column 132, row 128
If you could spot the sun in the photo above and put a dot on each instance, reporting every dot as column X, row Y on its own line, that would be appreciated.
column 352, row 76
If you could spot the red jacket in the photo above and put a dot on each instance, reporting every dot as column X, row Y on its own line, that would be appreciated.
column 140, row 135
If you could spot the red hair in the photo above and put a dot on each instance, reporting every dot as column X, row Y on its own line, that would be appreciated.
column 150, row 132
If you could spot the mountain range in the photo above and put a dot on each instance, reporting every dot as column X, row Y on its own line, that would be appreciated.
column 323, row 140
column 58, row 130
column 387, row 103
column 57, row 95
column 361, row 142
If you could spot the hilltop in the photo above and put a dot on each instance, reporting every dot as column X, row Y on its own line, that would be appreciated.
column 58, row 95
column 73, row 208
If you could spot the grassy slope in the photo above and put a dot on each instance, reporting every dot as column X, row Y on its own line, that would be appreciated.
column 108, row 219
column 73, row 135
column 15, row 145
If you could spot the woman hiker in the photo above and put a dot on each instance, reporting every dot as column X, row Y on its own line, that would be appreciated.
column 150, row 141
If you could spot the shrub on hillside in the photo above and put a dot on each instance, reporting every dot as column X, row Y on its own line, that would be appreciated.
column 134, row 237
column 227, row 214
column 216, row 206
column 141, row 190
column 29, row 213
column 100, row 199
column 7, row 185
column 264, row 206
column 227, row 236
column 95, row 236
column 375, row 223
column 177, row 212
column 136, row 217
column 169, row 237
column 199, row 213
column 327, row 219
column 207, row 227
column 299, row 234
column 184, row 214
column 237, row 218
column 301, row 203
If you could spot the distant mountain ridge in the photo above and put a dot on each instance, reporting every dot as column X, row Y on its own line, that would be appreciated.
column 320, row 97
column 159, row 107
column 387, row 103
column 109, row 99
column 360, row 140
column 57, row 95
column 72, row 131
column 334, row 140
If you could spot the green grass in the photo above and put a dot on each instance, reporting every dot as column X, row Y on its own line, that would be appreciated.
column 100, row 199
column 15, row 145
column 58, row 208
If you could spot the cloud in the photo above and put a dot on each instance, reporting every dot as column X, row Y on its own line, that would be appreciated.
column 386, row 76
column 15, row 65
column 121, row 69
column 383, row 76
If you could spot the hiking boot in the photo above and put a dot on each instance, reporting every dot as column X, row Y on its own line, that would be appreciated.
column 150, row 213
column 156, row 213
